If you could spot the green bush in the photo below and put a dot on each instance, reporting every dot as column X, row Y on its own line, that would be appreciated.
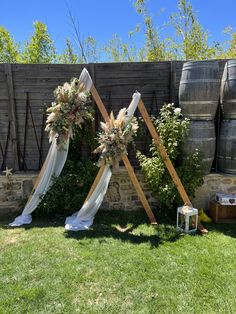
column 173, row 129
column 69, row 190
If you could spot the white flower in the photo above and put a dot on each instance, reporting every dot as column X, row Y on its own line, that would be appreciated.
column 82, row 97
column 177, row 111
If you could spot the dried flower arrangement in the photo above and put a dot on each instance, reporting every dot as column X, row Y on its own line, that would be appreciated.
column 114, row 138
column 69, row 110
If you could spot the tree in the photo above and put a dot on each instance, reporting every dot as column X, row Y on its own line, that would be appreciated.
column 118, row 51
column 193, row 39
column 40, row 48
column 91, row 49
column 230, row 50
column 69, row 55
column 154, row 47
column 8, row 48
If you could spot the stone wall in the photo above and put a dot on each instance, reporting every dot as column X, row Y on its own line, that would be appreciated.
column 214, row 183
column 121, row 194
column 13, row 190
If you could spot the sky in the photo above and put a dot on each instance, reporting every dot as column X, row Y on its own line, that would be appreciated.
column 103, row 18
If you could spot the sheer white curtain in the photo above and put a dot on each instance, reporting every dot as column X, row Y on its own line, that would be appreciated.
column 52, row 167
column 83, row 219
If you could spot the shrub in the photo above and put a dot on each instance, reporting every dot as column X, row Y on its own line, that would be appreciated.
column 70, row 189
column 173, row 129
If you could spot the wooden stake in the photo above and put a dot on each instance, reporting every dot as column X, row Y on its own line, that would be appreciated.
column 95, row 182
column 12, row 116
column 99, row 103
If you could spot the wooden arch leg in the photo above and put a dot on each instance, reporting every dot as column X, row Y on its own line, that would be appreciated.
column 139, row 190
column 95, row 182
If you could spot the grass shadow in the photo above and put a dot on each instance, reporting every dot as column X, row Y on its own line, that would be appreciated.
column 53, row 221
column 133, row 227
column 229, row 229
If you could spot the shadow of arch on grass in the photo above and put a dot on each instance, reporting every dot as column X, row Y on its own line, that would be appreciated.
column 133, row 227
column 130, row 235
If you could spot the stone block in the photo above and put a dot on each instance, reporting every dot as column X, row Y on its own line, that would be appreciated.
column 124, row 181
column 3, row 198
column 113, row 193
column 126, row 187
column 13, row 197
column 212, row 181
column 27, row 187
column 232, row 190
column 227, row 181
column 7, row 208
column 117, row 206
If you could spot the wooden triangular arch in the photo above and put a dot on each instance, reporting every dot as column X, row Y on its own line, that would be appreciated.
column 128, row 166
column 25, row 217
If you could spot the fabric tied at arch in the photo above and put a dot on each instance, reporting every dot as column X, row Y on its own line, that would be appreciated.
column 83, row 219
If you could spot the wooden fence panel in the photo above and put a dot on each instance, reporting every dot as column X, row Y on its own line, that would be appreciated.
column 33, row 87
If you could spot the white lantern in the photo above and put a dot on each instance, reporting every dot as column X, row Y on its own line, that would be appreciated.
column 187, row 219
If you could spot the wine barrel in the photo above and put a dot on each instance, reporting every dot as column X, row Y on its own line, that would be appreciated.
column 228, row 90
column 227, row 147
column 199, row 89
column 202, row 137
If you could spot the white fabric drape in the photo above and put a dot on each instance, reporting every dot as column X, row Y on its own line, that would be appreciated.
column 83, row 219
column 86, row 79
column 52, row 167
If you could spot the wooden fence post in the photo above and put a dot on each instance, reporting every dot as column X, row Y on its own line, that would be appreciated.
column 12, row 115
column 172, row 81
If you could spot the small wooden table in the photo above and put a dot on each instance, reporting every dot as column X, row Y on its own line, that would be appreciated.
column 222, row 213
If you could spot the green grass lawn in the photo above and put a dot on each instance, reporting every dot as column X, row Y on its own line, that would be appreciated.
column 122, row 265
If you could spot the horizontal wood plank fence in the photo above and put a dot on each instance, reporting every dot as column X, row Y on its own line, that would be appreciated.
column 26, row 88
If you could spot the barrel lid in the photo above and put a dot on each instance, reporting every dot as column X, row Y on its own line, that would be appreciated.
column 198, row 64
column 231, row 63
